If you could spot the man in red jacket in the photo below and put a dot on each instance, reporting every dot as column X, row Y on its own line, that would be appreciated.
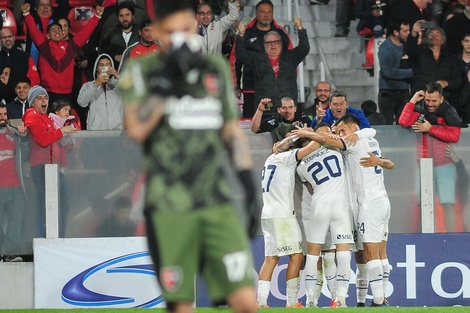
column 428, row 113
column 56, row 59
column 42, row 142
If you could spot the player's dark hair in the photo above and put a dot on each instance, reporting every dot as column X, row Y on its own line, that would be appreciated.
column 338, row 93
column 395, row 24
column 164, row 8
column 433, row 87
column 348, row 119
column 264, row 2
column 321, row 124
column 368, row 107
column 126, row 5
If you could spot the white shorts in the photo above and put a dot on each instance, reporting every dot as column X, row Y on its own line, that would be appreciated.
column 282, row 236
column 330, row 213
column 372, row 221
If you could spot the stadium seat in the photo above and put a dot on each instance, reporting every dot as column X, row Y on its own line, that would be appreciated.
column 82, row 3
column 76, row 122
column 369, row 54
column 9, row 19
column 6, row 3
column 78, row 17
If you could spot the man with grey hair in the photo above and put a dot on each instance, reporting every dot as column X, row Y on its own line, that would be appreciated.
column 276, row 74
column 432, row 62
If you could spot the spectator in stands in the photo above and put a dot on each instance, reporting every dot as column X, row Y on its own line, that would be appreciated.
column 102, row 97
column 19, row 105
column 216, row 5
column 286, row 113
column 373, row 16
column 119, row 223
column 253, row 41
column 409, row 11
column 275, row 69
column 13, row 202
column 464, row 66
column 433, row 63
column 453, row 9
column 344, row 15
column 455, row 29
column 80, row 64
column 430, row 114
column 7, row 92
column 394, row 74
column 369, row 108
column 338, row 108
column 11, row 55
column 56, row 60
column 116, row 39
column 146, row 44
column 229, row 40
column 213, row 31
column 43, row 15
column 42, row 138
column 322, row 99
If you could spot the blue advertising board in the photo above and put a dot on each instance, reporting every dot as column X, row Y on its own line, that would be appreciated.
column 427, row 270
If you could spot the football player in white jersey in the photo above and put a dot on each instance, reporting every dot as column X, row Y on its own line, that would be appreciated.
column 281, row 231
column 366, row 166
column 323, row 170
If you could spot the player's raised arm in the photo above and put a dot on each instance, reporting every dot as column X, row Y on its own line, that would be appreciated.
column 374, row 160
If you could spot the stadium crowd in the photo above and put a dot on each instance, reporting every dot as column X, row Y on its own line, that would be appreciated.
column 66, row 80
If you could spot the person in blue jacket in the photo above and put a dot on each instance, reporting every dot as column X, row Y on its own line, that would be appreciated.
column 338, row 108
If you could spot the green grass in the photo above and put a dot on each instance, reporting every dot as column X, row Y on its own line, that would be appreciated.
column 268, row 310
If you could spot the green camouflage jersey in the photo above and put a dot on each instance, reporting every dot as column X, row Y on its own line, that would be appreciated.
column 183, row 154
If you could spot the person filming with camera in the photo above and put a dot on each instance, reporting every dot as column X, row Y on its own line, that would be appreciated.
column 430, row 114
column 286, row 113
column 102, row 96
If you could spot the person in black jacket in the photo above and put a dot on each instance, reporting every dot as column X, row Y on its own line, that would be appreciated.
column 431, row 62
column 274, row 70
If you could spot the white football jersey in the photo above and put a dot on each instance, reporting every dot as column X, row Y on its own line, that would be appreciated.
column 324, row 170
column 367, row 181
column 277, row 183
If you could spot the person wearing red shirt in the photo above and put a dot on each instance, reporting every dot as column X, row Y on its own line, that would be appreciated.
column 428, row 113
column 56, row 59
column 42, row 138
column 12, row 203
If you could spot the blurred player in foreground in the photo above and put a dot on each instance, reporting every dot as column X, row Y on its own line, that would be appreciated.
column 179, row 105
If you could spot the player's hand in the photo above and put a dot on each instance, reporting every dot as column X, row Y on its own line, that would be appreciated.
column 351, row 139
column 302, row 132
column 423, row 127
column 370, row 161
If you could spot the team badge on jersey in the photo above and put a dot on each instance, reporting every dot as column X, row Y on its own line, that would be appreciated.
column 211, row 84
column 171, row 278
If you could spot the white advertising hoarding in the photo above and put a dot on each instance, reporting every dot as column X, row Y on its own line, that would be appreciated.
column 95, row 272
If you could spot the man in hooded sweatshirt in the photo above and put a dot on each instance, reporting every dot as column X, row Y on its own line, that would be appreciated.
column 102, row 96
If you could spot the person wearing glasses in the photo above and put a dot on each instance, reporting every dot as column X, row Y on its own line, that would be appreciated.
column 338, row 108
column 213, row 32
column 322, row 98
column 275, row 69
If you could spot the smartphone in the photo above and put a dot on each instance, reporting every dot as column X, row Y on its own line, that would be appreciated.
column 428, row 24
